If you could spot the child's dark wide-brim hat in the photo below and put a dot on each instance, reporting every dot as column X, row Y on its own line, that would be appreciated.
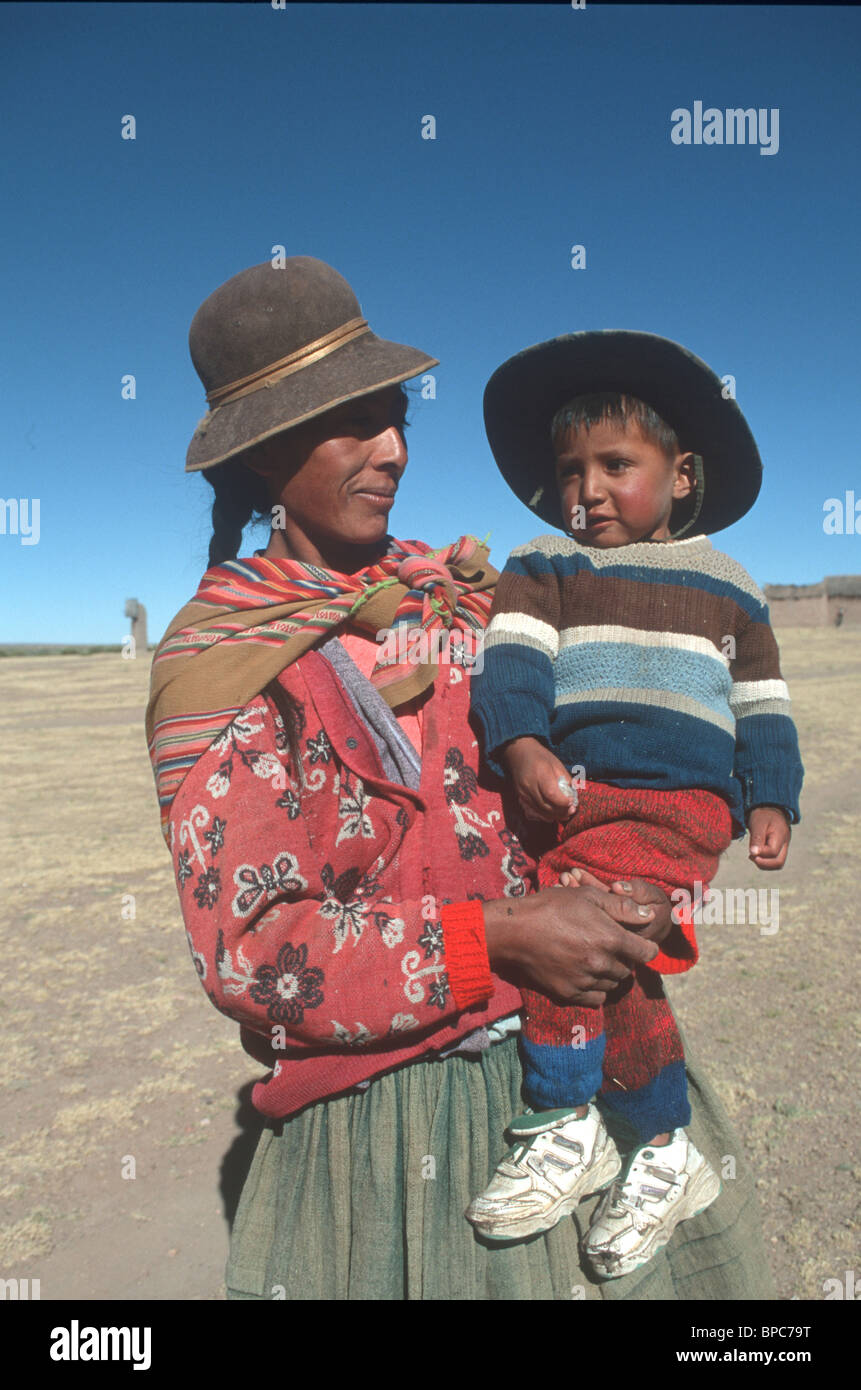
column 524, row 394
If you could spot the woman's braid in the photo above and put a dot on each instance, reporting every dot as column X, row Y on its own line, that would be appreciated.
column 240, row 495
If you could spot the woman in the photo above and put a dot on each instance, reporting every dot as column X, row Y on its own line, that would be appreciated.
column 353, row 888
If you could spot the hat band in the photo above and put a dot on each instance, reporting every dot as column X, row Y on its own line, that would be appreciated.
column 285, row 366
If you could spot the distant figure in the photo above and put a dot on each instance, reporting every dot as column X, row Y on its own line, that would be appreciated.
column 838, row 617
column 137, row 613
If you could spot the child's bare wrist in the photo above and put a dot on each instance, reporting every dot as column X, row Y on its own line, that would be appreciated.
column 516, row 748
column 771, row 806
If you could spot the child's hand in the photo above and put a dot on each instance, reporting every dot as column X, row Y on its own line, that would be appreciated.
column 769, row 836
column 581, row 878
column 537, row 774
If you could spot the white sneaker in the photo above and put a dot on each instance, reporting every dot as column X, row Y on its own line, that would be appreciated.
column 561, row 1160
column 663, row 1186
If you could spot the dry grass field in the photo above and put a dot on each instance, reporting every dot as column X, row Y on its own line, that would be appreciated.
column 110, row 1052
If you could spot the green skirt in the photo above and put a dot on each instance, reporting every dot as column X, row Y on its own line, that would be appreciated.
column 363, row 1197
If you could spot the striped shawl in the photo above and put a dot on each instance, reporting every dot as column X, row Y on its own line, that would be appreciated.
column 251, row 618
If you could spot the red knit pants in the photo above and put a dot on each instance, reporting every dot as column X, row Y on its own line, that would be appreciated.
column 627, row 1051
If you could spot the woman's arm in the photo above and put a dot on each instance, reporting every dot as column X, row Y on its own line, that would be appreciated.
column 285, row 888
column 296, row 934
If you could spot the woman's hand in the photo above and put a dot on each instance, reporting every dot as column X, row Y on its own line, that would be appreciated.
column 636, row 890
column 575, row 947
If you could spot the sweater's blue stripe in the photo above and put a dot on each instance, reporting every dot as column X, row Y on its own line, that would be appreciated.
column 646, row 746
column 590, row 665
column 658, row 747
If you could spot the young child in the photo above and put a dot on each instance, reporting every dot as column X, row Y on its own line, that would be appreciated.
column 642, row 661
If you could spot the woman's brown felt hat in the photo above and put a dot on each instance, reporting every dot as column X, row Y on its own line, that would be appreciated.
column 524, row 394
column 275, row 346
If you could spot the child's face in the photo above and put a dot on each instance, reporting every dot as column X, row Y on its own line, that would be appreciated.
column 616, row 486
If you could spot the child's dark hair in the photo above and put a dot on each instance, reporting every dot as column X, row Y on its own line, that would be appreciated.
column 615, row 408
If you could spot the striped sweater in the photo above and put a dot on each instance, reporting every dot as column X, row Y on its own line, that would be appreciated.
column 648, row 665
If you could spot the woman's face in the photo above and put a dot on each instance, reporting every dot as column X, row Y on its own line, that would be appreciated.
column 336, row 479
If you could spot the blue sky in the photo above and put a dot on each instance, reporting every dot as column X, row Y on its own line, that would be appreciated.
column 303, row 127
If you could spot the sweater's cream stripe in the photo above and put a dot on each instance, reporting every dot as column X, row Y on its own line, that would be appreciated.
column 549, row 544
column 752, row 692
column 780, row 707
column 522, row 628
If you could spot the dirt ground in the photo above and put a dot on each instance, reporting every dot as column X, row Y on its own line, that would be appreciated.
column 126, row 1127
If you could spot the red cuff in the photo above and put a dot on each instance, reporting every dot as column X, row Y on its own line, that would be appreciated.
column 677, row 965
column 466, row 961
